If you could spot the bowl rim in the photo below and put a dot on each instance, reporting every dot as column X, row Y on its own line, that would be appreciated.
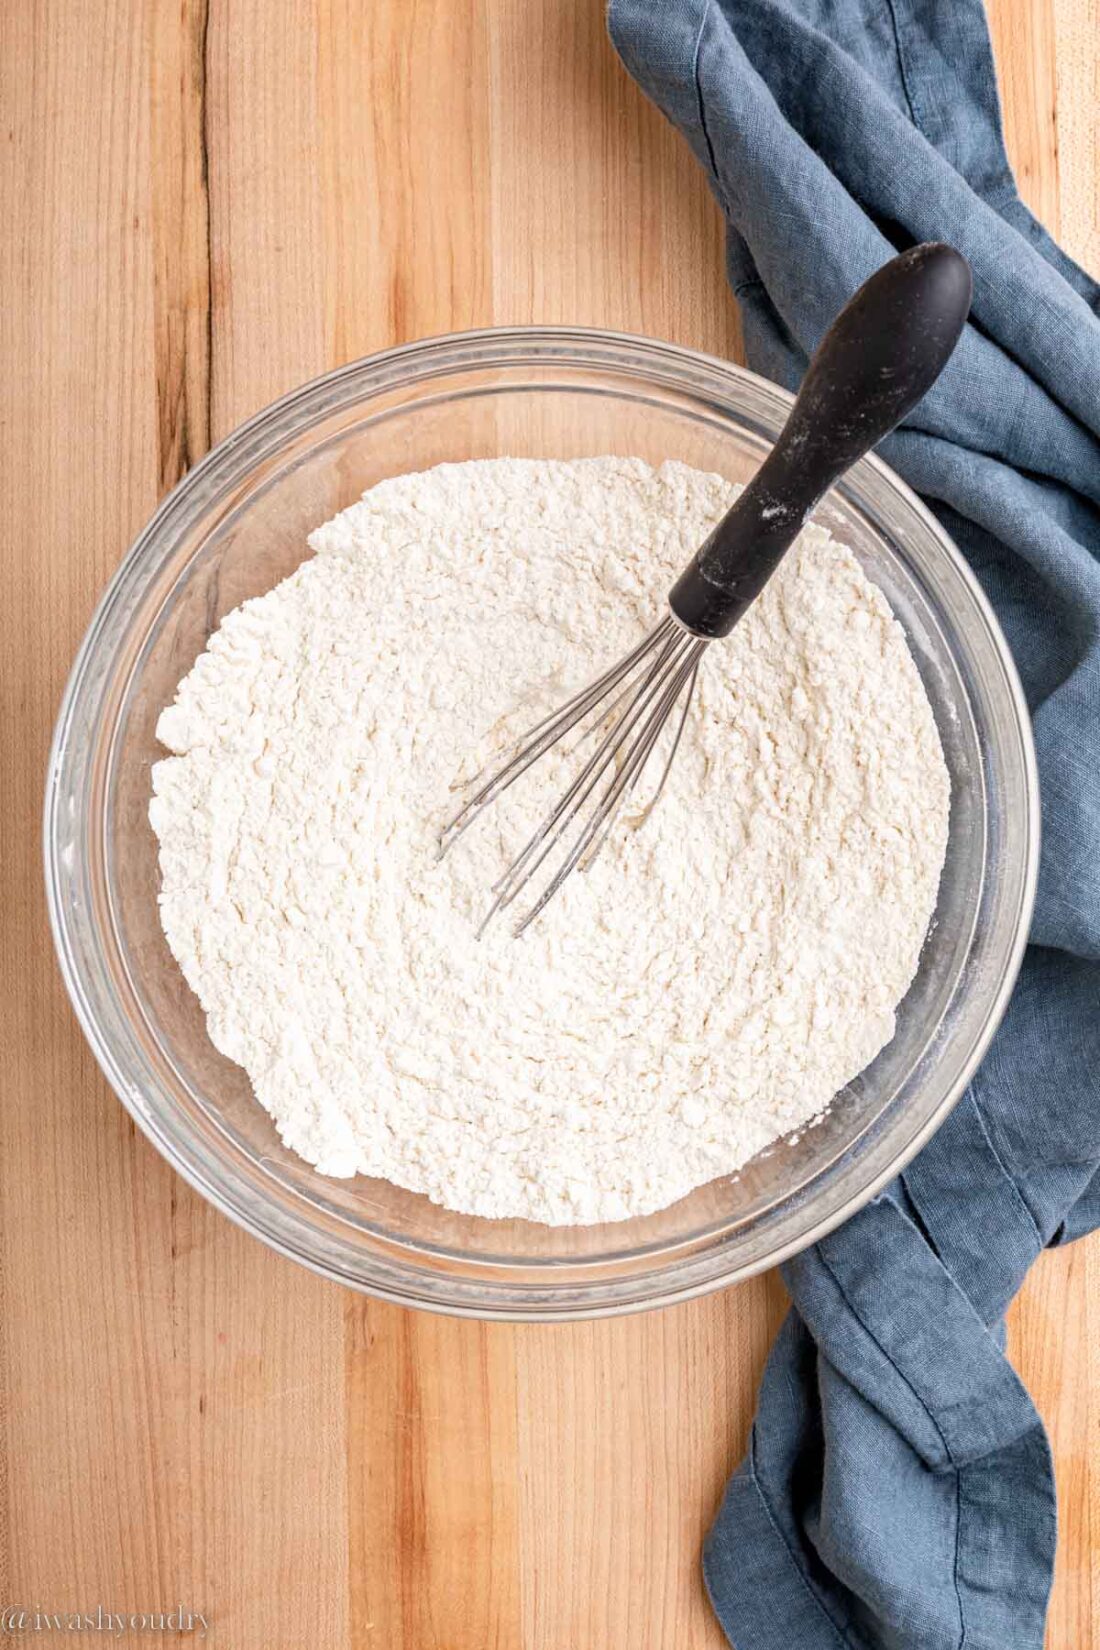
column 456, row 349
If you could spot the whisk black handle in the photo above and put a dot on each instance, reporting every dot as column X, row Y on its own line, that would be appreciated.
column 885, row 349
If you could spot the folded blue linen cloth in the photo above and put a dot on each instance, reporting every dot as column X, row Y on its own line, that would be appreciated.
column 898, row 1489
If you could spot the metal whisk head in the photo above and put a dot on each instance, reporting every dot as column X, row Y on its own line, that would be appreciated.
column 625, row 709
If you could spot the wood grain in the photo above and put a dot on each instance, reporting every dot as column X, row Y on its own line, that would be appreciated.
column 208, row 201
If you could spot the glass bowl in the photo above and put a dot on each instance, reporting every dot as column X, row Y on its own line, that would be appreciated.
column 235, row 526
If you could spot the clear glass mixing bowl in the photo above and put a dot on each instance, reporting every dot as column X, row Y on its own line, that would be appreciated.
column 234, row 527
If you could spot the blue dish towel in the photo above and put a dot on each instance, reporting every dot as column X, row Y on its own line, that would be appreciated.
column 898, row 1487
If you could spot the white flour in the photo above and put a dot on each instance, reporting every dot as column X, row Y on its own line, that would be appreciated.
column 706, row 988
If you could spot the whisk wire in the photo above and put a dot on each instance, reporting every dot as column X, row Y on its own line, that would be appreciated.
column 626, row 710
column 600, row 758
column 546, row 733
column 572, row 800
column 636, row 824
column 638, row 754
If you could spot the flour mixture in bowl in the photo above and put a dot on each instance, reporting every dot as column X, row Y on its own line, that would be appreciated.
column 706, row 988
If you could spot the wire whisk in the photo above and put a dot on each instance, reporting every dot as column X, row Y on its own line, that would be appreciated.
column 880, row 356
column 660, row 671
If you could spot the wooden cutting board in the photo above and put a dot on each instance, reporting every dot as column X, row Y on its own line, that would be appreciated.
column 204, row 203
